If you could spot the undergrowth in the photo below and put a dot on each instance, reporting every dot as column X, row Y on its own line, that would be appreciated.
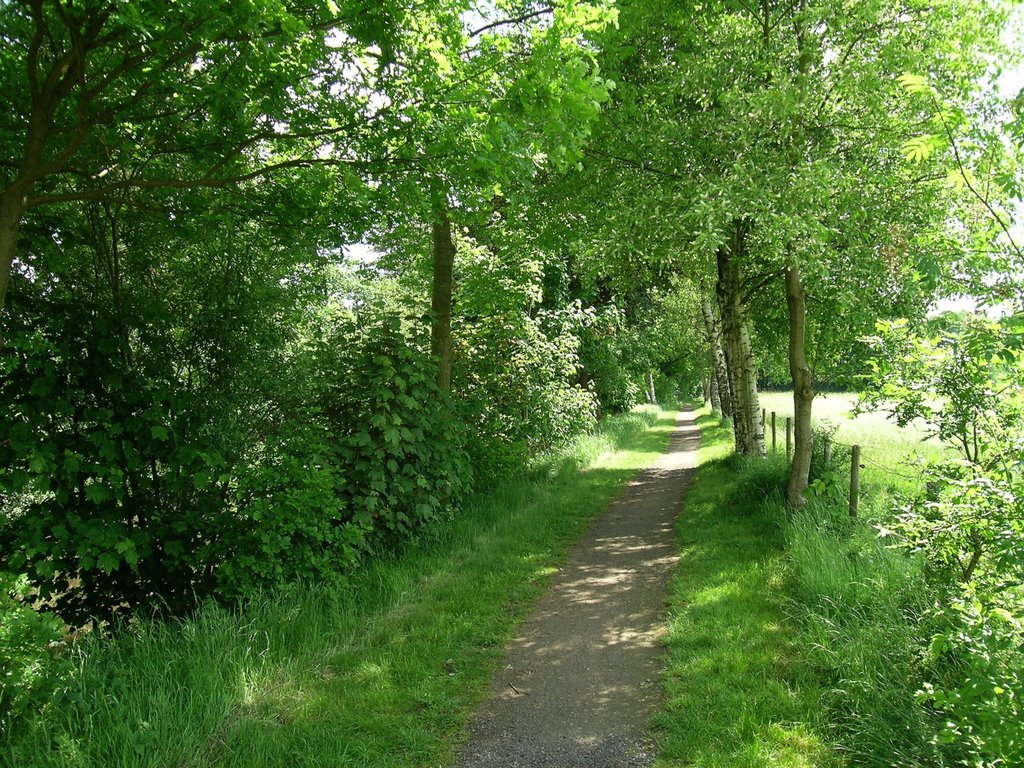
column 381, row 672
column 854, row 609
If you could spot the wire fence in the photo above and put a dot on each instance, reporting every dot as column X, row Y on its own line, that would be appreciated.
column 858, row 460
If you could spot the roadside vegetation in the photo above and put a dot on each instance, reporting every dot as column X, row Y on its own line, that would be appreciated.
column 863, row 632
column 383, row 670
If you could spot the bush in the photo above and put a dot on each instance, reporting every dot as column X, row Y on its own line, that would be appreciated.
column 121, row 489
column 107, row 474
column 26, row 668
column 982, row 688
column 517, row 389
column 376, row 460
column 398, row 446
column 289, row 522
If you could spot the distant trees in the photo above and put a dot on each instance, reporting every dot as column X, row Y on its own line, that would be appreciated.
column 774, row 164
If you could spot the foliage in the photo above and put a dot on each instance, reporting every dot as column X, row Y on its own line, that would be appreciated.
column 969, row 522
column 398, row 447
column 330, row 671
column 26, row 668
column 981, row 692
column 518, row 372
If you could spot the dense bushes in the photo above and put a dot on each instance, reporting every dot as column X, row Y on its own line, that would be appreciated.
column 517, row 386
column 374, row 459
column 123, row 494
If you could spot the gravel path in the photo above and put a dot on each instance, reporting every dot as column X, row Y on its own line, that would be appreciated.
column 580, row 683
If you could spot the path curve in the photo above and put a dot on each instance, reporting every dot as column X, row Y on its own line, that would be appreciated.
column 579, row 686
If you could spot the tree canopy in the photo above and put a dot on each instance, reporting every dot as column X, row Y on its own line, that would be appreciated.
column 572, row 206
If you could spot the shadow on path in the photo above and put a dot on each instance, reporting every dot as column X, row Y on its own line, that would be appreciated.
column 579, row 686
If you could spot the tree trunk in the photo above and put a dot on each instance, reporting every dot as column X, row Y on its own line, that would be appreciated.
column 652, row 396
column 11, row 212
column 713, row 394
column 739, row 352
column 720, row 377
column 441, row 299
column 803, row 389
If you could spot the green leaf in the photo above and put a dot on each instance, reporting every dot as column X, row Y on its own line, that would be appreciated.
column 915, row 83
column 97, row 493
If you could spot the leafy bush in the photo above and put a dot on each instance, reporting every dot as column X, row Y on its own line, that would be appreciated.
column 124, row 487
column 516, row 380
column 968, row 521
column 375, row 460
column 398, row 446
column 289, row 521
column 107, row 498
column 982, row 690
column 26, row 668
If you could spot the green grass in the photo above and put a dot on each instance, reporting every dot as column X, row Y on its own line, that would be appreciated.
column 887, row 450
column 857, row 606
column 739, row 693
column 384, row 673
column 854, row 604
column 881, row 440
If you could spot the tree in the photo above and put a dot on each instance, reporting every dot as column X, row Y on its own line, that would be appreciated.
column 111, row 97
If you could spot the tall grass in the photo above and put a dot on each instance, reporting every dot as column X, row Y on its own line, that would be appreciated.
column 854, row 608
column 738, row 692
column 859, row 605
column 383, row 672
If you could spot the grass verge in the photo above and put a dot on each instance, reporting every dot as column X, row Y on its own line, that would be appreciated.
column 738, row 690
column 797, row 638
column 383, row 673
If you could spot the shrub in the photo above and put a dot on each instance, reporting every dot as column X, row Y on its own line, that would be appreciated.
column 516, row 387
column 26, row 668
column 289, row 521
column 398, row 446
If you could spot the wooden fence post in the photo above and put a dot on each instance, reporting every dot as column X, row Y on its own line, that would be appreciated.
column 854, row 479
column 827, row 450
column 789, row 436
column 773, row 430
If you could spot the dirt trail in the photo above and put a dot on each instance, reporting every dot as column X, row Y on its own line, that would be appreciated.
column 580, row 683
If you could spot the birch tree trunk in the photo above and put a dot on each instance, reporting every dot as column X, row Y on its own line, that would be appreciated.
column 652, row 396
column 739, row 352
column 803, row 389
column 441, row 299
column 720, row 376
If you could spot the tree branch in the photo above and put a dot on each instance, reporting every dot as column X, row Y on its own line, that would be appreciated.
column 100, row 193
column 639, row 165
column 514, row 20
column 963, row 174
